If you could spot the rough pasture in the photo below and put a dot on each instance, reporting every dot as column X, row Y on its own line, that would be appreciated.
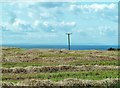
column 59, row 67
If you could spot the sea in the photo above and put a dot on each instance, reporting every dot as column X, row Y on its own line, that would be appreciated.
column 72, row 47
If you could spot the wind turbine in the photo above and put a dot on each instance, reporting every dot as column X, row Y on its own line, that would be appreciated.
column 68, row 40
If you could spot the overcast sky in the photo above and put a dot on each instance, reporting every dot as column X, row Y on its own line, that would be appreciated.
column 47, row 22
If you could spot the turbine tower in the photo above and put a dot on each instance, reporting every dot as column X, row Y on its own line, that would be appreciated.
column 68, row 40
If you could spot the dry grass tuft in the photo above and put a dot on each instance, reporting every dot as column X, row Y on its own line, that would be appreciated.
column 70, row 82
column 6, row 70
column 81, row 82
column 37, row 69
column 67, row 82
column 8, row 84
column 19, row 70
column 34, row 82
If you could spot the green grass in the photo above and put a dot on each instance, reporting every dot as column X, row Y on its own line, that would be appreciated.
column 57, row 76
column 61, row 55
column 74, row 63
column 80, row 57
column 23, row 64
column 102, row 62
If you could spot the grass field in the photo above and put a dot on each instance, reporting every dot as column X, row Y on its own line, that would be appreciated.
column 59, row 67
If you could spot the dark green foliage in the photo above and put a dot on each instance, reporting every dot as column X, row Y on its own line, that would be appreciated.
column 113, row 49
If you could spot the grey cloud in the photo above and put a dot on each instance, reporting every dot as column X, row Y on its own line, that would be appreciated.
column 47, row 4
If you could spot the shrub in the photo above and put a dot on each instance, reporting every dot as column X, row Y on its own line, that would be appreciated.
column 113, row 49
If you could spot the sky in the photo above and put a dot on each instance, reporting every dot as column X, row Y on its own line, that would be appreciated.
column 46, row 23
